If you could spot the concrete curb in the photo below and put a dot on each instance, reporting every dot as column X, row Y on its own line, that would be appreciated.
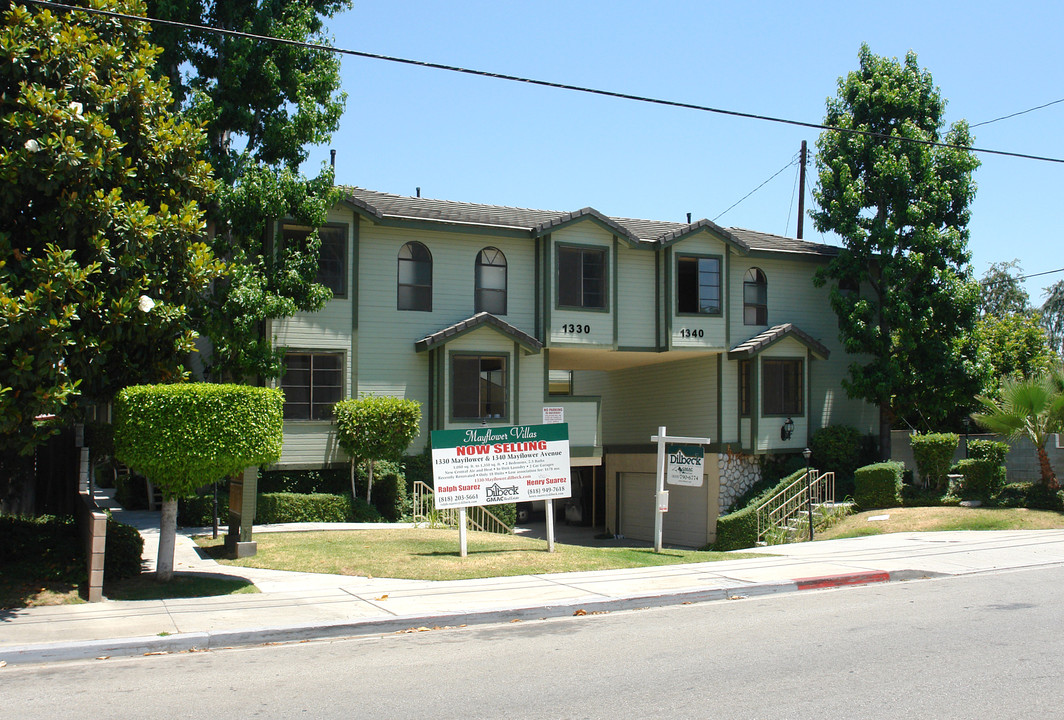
column 212, row 640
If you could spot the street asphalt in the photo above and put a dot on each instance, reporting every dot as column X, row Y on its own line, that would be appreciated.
column 294, row 606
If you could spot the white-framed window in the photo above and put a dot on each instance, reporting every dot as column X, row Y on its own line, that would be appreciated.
column 414, row 278
column 582, row 277
column 697, row 285
column 312, row 384
column 490, row 281
column 782, row 386
column 332, row 253
column 755, row 298
column 479, row 387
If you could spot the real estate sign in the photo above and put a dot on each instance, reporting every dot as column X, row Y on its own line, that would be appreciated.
column 684, row 465
column 489, row 466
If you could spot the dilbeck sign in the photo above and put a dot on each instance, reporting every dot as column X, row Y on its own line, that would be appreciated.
column 684, row 465
column 489, row 466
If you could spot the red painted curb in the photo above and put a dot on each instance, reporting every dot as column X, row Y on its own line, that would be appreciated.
column 827, row 581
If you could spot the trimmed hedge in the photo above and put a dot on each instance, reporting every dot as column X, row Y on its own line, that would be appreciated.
column 187, row 435
column 996, row 452
column 934, row 456
column 316, row 507
column 334, row 481
column 51, row 548
column 198, row 511
column 122, row 551
column 878, row 485
column 738, row 530
column 982, row 478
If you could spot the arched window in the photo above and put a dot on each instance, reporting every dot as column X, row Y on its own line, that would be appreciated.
column 755, row 298
column 415, row 277
column 491, row 281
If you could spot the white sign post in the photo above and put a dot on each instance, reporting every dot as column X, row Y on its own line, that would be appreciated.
column 661, row 495
column 490, row 466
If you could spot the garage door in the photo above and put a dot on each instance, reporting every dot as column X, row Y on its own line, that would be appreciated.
column 684, row 524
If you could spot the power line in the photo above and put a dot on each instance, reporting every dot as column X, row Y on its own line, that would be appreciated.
column 991, row 283
column 1021, row 112
column 532, row 81
column 793, row 161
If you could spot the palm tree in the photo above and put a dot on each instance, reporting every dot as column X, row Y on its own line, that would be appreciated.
column 1029, row 407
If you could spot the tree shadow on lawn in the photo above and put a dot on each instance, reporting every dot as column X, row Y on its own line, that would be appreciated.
column 183, row 585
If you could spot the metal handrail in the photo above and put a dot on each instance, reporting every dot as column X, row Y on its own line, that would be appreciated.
column 783, row 507
column 478, row 518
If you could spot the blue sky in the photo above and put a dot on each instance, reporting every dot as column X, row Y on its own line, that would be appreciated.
column 491, row 141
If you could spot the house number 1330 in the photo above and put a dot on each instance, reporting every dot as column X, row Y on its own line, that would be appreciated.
column 576, row 329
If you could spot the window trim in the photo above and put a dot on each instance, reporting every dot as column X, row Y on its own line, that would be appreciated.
column 720, row 284
column 342, row 355
column 507, row 365
column 765, row 394
column 761, row 310
column 346, row 232
column 604, row 251
column 398, row 275
column 477, row 265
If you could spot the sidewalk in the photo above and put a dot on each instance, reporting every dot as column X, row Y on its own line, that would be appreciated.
column 298, row 606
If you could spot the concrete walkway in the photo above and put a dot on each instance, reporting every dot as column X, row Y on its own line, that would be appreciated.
column 297, row 606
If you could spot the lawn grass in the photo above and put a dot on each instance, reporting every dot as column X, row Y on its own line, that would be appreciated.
column 432, row 554
column 932, row 519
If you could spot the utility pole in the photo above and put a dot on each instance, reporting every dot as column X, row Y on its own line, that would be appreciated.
column 801, row 190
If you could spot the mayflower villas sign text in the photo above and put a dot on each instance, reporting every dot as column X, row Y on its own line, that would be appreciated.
column 489, row 466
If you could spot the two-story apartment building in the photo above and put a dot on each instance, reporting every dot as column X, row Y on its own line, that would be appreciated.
column 486, row 315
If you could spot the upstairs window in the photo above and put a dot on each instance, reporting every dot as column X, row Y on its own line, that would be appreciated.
column 782, row 381
column 490, row 281
column 582, row 278
column 698, row 285
column 415, row 278
column 478, row 387
column 755, row 298
column 312, row 384
column 332, row 254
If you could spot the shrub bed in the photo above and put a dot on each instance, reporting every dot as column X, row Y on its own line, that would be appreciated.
column 738, row 530
column 878, row 485
column 934, row 456
column 314, row 507
column 982, row 478
column 123, row 550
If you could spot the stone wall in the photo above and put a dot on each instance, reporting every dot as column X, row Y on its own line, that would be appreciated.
column 737, row 474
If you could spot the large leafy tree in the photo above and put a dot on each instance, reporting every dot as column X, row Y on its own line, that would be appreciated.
column 261, row 103
column 101, row 217
column 1012, row 345
column 901, row 209
column 1001, row 292
column 1053, row 316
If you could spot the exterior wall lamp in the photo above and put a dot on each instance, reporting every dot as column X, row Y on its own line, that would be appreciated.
column 787, row 430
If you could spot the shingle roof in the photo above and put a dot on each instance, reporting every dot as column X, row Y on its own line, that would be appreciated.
column 380, row 206
column 469, row 324
column 757, row 343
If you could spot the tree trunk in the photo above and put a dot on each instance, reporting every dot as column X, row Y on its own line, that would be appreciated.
column 886, row 421
column 369, row 480
column 1048, row 478
column 164, row 565
column 354, row 493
